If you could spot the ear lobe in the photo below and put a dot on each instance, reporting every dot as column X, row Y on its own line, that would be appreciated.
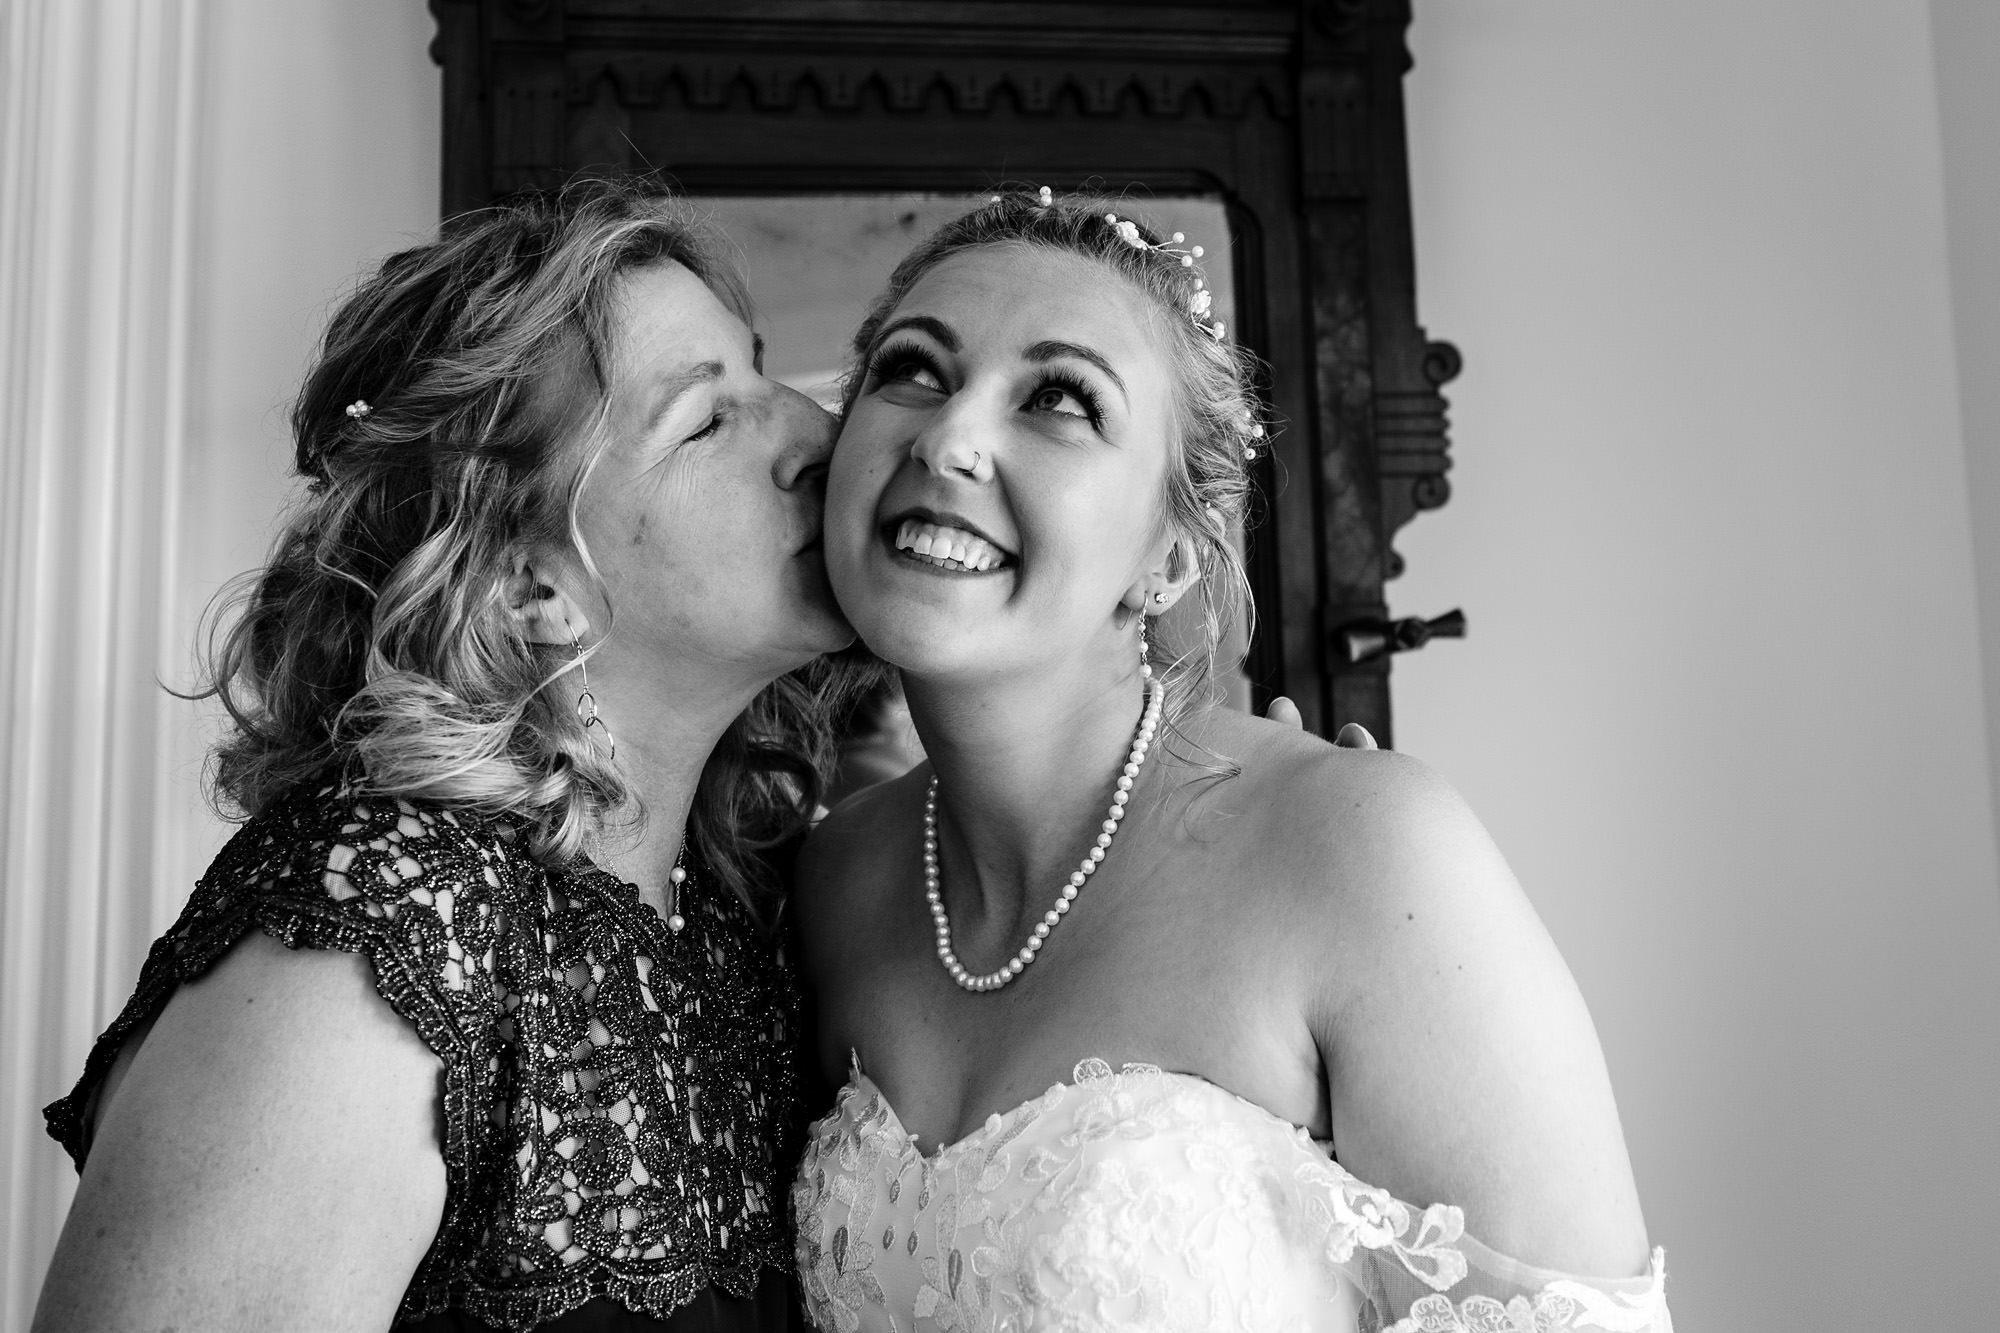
column 540, row 610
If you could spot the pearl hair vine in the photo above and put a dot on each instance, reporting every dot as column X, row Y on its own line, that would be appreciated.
column 1199, row 306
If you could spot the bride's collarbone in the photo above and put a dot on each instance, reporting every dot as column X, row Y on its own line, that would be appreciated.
column 948, row 1059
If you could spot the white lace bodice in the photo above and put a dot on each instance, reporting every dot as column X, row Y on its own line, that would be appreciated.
column 1155, row 1201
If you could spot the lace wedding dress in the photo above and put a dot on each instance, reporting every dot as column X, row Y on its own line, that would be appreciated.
column 1150, row 1200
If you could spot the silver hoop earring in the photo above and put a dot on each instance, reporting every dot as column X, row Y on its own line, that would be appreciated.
column 586, row 702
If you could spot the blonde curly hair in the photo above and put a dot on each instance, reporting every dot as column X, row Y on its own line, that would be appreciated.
column 376, row 638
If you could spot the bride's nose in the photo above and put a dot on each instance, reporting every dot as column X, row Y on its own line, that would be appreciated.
column 956, row 440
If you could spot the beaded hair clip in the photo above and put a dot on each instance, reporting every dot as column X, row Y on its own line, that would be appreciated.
column 1199, row 305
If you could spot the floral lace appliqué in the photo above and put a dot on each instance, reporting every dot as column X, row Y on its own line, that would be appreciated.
column 1148, row 1200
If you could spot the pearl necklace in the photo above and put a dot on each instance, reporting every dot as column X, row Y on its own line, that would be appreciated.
column 934, row 892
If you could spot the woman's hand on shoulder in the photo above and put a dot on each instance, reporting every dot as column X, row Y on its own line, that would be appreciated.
column 1464, row 1068
column 269, row 1159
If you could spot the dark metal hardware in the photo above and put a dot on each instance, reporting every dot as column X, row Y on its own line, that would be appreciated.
column 1361, row 640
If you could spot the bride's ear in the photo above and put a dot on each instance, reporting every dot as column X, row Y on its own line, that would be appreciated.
column 541, row 610
column 1176, row 568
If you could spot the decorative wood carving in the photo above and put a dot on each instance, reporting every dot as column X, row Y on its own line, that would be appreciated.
column 1289, row 111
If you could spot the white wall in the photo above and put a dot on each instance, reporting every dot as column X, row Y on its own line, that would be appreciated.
column 1966, row 37
column 1722, row 701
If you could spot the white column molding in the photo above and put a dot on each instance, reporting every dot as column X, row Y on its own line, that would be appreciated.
column 99, row 110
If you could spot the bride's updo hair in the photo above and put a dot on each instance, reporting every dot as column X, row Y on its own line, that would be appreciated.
column 1216, row 419
column 452, row 417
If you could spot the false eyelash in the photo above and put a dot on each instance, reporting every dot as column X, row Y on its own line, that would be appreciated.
column 1074, row 385
column 897, row 356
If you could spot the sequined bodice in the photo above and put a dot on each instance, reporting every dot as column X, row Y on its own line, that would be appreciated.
column 619, row 1102
column 1149, row 1200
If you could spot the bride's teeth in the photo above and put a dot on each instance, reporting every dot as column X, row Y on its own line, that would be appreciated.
column 949, row 547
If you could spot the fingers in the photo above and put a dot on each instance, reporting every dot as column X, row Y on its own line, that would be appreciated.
column 1353, row 736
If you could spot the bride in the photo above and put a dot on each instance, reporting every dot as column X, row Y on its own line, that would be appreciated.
column 1151, row 1014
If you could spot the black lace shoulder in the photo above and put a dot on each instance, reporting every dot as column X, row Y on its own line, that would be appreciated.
column 619, row 1103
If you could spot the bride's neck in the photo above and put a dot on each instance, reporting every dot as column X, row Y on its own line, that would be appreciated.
column 1025, row 771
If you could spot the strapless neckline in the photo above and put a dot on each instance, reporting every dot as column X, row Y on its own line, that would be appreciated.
column 1089, row 1070
column 1147, row 1199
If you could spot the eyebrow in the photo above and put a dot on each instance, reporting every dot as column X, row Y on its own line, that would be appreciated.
column 937, row 328
column 1053, row 350
column 677, row 387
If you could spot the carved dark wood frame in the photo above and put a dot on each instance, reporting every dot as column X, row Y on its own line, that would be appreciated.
column 1291, row 111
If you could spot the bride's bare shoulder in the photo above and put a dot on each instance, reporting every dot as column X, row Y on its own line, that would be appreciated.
column 1372, row 839
column 1303, row 786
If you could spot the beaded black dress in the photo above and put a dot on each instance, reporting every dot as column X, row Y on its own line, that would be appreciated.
column 620, row 1103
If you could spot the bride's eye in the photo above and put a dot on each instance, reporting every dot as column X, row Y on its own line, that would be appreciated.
column 1065, row 397
column 904, row 364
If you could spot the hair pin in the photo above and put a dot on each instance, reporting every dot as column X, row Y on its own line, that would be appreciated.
column 1203, row 300
column 359, row 409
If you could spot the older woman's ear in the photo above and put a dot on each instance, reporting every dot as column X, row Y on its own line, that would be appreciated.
column 540, row 610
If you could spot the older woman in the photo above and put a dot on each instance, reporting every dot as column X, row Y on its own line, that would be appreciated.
column 481, row 1019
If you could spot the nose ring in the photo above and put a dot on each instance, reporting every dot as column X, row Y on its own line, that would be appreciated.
column 972, row 471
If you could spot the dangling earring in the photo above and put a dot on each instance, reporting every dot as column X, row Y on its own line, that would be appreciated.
column 586, row 702
column 1145, row 661
column 675, row 878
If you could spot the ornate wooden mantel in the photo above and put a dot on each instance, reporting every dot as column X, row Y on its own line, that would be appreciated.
column 1289, row 111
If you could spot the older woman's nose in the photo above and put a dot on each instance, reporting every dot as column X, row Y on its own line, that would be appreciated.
column 808, row 430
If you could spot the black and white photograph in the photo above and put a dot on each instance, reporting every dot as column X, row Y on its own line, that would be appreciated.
column 999, row 666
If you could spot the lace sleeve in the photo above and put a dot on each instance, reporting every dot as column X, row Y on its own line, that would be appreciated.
column 425, row 895
column 1423, row 1274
